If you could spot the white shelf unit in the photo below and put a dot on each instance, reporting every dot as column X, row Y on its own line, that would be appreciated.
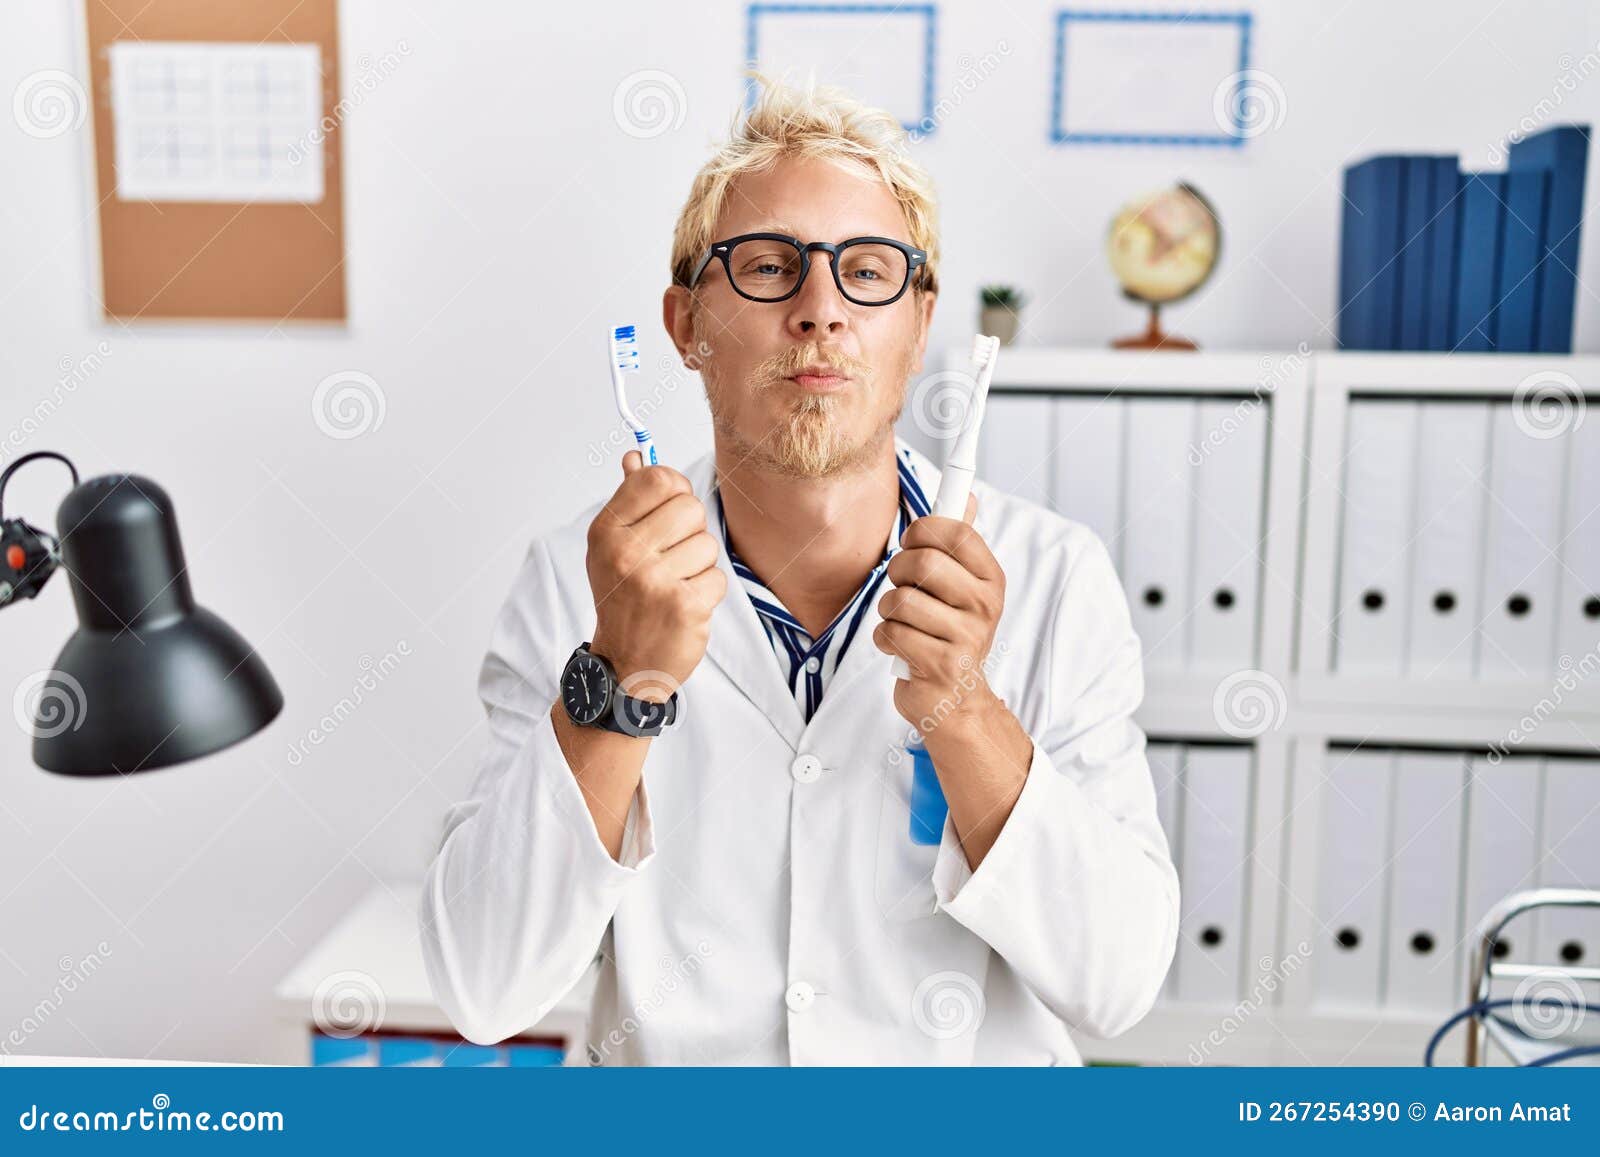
column 1308, row 394
column 368, row 969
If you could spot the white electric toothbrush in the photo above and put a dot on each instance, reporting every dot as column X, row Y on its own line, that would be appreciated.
column 623, row 345
column 955, row 482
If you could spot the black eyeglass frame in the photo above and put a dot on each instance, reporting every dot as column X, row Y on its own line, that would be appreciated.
column 916, row 259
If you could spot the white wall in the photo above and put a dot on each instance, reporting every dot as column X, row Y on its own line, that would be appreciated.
column 479, row 174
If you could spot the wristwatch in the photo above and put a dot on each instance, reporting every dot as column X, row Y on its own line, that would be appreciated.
column 594, row 698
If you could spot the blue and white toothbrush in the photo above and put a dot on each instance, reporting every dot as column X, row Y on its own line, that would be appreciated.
column 928, row 805
column 622, row 343
column 955, row 480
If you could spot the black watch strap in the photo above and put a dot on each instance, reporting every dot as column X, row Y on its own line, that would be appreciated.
column 626, row 715
column 638, row 717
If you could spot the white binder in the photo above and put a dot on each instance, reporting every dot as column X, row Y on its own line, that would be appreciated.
column 1017, row 444
column 1578, row 609
column 1424, row 935
column 1374, row 554
column 1571, row 849
column 1519, row 587
column 1446, row 576
column 1087, row 486
column 1353, row 849
column 1230, row 486
column 1159, row 523
column 1165, row 760
column 1212, row 867
column 1502, row 848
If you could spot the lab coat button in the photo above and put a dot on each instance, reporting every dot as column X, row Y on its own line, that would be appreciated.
column 799, row 996
column 806, row 768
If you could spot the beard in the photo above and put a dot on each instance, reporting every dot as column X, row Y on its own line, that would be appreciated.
column 812, row 437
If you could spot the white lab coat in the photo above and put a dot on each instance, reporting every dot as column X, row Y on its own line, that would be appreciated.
column 770, row 906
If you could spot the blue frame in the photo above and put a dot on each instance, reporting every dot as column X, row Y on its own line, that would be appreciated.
column 1057, row 97
column 925, row 127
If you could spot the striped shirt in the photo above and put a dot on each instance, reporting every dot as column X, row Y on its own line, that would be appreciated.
column 809, row 663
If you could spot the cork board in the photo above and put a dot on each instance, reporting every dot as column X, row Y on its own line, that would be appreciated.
column 250, row 257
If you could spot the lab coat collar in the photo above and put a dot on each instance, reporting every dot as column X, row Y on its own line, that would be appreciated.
column 738, row 644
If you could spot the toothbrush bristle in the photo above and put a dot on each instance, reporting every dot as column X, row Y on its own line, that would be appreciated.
column 625, row 347
column 983, row 348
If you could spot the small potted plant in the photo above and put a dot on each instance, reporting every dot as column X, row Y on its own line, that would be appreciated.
column 998, row 309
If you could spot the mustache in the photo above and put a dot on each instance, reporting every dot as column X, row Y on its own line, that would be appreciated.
column 770, row 371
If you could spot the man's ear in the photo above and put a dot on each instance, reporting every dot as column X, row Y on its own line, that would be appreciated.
column 676, row 305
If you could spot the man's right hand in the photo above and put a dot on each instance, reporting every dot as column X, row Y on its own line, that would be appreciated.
column 654, row 575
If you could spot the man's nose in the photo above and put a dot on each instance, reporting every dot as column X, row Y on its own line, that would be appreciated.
column 819, row 307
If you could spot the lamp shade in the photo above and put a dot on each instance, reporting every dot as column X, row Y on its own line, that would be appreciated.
column 149, row 679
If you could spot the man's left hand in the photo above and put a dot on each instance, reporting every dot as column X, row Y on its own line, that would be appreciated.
column 941, row 617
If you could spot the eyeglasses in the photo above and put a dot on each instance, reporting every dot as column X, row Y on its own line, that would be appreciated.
column 773, row 266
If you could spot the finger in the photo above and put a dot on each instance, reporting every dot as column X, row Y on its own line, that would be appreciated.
column 631, row 461
column 920, row 650
column 972, row 509
column 939, row 575
column 670, row 523
column 957, row 539
column 917, row 608
column 691, row 556
column 644, row 490
column 709, row 586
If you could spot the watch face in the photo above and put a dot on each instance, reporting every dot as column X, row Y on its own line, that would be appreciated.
column 585, row 689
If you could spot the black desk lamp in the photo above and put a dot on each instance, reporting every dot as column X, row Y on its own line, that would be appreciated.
column 149, row 679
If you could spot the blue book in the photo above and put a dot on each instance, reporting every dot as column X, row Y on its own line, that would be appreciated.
column 332, row 1050
column 1368, row 264
column 1564, row 151
column 469, row 1056
column 1482, row 206
column 1521, row 247
column 402, row 1052
column 1445, row 240
column 535, row 1056
column 1416, row 255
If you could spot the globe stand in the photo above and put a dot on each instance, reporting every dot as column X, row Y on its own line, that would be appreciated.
column 1153, row 338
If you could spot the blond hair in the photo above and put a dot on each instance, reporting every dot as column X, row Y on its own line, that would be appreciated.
column 810, row 122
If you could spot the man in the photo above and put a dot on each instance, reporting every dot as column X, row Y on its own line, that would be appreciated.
column 735, row 839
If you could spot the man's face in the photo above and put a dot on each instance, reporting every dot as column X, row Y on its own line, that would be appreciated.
column 754, row 354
